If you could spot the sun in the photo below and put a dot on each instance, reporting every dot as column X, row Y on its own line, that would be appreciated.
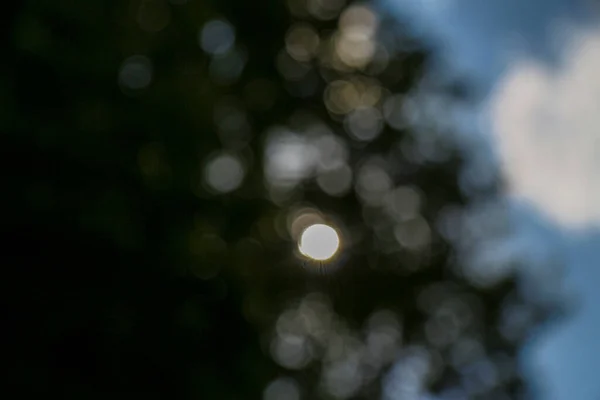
column 319, row 242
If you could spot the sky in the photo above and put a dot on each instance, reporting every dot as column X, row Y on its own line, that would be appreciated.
column 536, row 62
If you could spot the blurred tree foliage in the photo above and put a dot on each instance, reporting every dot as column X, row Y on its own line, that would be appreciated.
column 128, row 277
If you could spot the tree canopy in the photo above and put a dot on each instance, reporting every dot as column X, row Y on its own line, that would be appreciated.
column 163, row 159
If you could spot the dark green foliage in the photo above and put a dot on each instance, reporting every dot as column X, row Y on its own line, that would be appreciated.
column 125, row 277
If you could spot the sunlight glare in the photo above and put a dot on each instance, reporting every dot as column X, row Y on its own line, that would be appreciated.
column 319, row 242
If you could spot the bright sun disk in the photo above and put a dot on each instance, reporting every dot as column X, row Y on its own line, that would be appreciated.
column 319, row 242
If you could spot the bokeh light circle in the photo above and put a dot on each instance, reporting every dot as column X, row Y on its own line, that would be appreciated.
column 224, row 173
column 319, row 242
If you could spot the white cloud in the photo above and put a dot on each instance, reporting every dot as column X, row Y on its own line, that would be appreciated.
column 546, row 125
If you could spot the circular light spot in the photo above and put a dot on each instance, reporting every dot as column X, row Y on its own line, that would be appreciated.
column 413, row 234
column 319, row 242
column 282, row 389
column 325, row 9
column 217, row 37
column 224, row 173
column 136, row 73
column 291, row 351
column 226, row 68
column 302, row 42
column 372, row 184
column 335, row 181
column 364, row 124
